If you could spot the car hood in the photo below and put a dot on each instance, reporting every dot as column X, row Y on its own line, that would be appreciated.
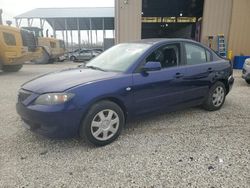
column 65, row 79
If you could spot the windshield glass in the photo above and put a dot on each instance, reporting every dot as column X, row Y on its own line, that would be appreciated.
column 118, row 58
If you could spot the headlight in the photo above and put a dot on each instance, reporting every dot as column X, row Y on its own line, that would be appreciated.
column 53, row 98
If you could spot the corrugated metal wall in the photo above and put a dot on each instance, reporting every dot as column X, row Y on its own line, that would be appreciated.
column 216, row 19
column 231, row 18
column 228, row 17
column 239, row 33
column 127, row 20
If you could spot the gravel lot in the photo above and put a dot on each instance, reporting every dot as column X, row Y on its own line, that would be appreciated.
column 189, row 148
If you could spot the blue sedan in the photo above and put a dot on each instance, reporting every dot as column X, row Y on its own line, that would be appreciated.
column 127, row 81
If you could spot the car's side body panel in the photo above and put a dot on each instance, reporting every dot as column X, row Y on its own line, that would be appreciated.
column 176, row 87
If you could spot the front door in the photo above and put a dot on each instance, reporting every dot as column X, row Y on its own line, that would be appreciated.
column 162, row 89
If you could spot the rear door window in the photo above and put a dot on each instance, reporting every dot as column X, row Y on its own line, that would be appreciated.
column 195, row 54
column 9, row 39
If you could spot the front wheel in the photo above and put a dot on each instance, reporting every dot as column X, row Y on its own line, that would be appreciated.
column 11, row 68
column 216, row 97
column 103, row 123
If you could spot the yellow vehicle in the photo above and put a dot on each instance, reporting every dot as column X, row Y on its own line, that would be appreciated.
column 16, row 45
column 48, row 49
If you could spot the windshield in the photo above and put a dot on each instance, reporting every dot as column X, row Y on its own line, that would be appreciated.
column 118, row 58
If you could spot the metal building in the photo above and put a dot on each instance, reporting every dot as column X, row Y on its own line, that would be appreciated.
column 66, row 20
column 228, row 17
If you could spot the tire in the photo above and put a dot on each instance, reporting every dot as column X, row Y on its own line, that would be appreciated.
column 97, row 128
column 51, row 61
column 11, row 68
column 216, row 97
column 44, row 59
column 72, row 58
column 248, row 81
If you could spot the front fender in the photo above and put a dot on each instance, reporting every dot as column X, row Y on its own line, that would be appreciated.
column 88, row 94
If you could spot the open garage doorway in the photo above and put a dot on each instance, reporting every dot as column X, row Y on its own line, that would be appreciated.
column 172, row 19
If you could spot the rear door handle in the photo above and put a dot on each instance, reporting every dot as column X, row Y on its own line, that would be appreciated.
column 210, row 70
column 178, row 75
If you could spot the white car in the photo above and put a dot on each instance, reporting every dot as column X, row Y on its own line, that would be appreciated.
column 246, row 71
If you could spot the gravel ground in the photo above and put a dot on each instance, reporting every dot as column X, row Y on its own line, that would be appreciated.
column 189, row 148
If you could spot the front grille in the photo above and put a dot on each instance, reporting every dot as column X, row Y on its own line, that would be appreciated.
column 23, row 95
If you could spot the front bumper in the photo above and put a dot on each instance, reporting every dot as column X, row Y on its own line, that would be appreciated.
column 59, row 123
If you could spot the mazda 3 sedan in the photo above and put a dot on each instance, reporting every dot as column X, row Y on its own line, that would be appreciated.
column 127, row 81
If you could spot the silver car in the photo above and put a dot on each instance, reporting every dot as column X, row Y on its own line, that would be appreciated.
column 246, row 71
column 84, row 55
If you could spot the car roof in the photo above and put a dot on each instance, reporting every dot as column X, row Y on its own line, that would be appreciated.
column 160, row 40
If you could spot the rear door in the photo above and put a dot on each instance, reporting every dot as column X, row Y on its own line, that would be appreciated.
column 199, row 71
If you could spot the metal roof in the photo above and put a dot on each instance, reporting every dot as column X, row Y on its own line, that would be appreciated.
column 84, row 12
column 58, row 17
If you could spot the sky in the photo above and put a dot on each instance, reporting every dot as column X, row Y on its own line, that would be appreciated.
column 12, row 8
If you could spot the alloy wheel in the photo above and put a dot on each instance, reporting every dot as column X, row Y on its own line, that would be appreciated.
column 218, row 96
column 105, row 124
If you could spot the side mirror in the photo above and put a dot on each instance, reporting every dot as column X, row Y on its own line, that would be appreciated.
column 151, row 66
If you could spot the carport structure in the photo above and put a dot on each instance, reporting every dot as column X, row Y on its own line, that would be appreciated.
column 72, row 19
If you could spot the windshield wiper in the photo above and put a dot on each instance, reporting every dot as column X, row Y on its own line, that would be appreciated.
column 95, row 68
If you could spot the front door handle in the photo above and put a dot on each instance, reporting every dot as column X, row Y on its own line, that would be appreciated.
column 178, row 75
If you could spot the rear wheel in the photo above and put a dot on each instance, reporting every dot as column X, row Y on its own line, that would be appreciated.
column 103, row 123
column 11, row 68
column 216, row 97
